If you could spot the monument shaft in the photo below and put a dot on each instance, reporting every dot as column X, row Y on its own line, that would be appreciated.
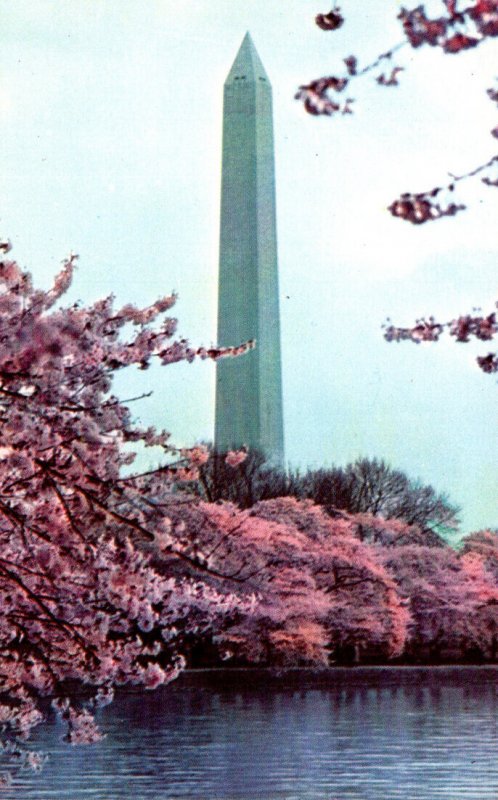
column 249, row 388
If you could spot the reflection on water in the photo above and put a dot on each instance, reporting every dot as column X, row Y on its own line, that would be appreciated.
column 362, row 734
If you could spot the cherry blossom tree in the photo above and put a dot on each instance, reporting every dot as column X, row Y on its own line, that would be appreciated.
column 485, row 545
column 452, row 602
column 80, row 598
column 322, row 593
column 457, row 28
column 377, row 530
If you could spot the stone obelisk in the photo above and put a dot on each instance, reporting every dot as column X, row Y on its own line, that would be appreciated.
column 249, row 387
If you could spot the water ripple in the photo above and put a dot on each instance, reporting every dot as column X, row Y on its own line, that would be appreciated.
column 366, row 741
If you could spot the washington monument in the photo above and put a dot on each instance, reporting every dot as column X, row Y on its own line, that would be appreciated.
column 249, row 388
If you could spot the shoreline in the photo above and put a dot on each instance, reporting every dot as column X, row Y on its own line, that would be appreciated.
column 301, row 678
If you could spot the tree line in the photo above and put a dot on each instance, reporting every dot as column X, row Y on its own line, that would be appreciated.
column 365, row 486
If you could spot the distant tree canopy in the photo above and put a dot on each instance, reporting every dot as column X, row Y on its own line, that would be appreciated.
column 342, row 589
column 365, row 486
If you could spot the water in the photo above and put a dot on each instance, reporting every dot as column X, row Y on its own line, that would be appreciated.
column 362, row 734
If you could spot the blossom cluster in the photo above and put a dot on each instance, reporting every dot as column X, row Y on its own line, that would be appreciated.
column 424, row 206
column 453, row 31
column 456, row 29
column 82, row 599
column 331, row 21
column 463, row 328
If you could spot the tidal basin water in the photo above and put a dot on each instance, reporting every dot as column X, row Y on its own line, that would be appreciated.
column 357, row 734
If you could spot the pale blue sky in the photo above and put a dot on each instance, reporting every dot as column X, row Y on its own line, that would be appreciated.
column 111, row 139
